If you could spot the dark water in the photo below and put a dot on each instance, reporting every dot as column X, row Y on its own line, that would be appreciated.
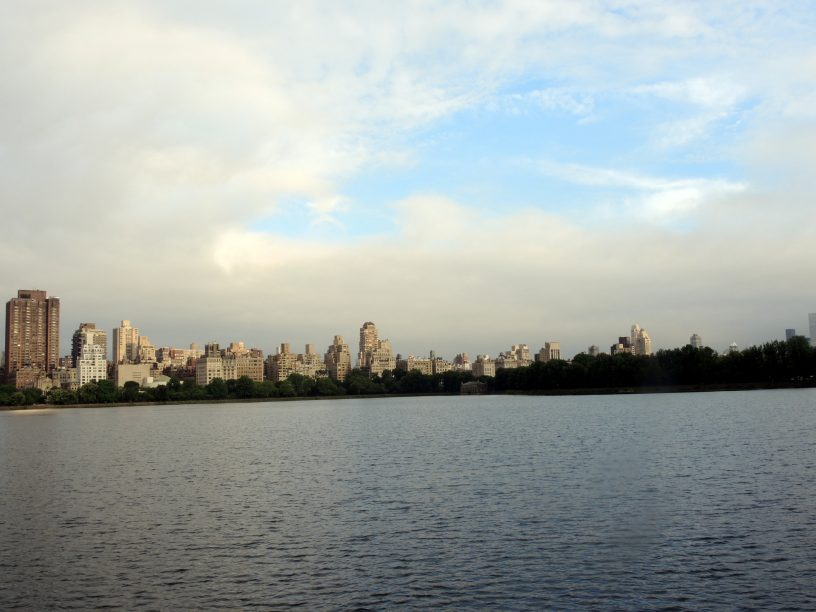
column 698, row 501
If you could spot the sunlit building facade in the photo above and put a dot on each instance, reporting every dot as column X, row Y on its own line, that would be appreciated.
column 32, row 332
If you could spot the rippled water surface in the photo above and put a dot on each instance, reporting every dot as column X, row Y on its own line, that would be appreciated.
column 688, row 501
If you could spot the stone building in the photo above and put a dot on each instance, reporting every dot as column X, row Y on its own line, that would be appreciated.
column 125, row 343
column 483, row 366
column 338, row 359
column 375, row 355
column 81, row 336
column 550, row 351
column 91, row 365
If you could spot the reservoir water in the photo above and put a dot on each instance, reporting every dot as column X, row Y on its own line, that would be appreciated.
column 683, row 502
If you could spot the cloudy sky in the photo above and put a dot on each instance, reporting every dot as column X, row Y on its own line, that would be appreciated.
column 467, row 175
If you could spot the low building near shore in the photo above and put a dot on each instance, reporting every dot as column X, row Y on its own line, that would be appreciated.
column 473, row 387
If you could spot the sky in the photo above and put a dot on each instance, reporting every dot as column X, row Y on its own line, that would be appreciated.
column 467, row 175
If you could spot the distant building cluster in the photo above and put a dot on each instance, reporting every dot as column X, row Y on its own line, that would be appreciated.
column 638, row 342
column 31, row 356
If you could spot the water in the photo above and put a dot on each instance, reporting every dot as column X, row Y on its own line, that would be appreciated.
column 688, row 501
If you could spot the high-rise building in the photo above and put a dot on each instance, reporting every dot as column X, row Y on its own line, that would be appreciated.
column 440, row 366
column 210, row 366
column 282, row 364
column 517, row 357
column 338, row 359
column 368, row 343
column 422, row 365
column 461, row 362
column 88, row 332
column 550, row 351
column 593, row 350
column 696, row 341
column 91, row 365
column 624, row 345
column 32, row 331
column 789, row 333
column 641, row 341
column 483, row 366
column 125, row 343
column 146, row 352
column 285, row 363
column 375, row 356
column 381, row 358
column 812, row 322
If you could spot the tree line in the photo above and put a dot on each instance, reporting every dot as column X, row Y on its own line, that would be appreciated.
column 296, row 385
column 777, row 363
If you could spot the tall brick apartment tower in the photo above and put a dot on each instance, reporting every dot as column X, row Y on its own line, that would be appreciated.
column 32, row 331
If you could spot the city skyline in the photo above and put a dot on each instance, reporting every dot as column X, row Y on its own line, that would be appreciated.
column 464, row 174
column 473, row 346
column 130, row 346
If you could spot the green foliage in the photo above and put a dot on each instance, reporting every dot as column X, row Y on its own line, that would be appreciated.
column 452, row 381
column 88, row 394
column 33, row 396
column 286, row 389
column 61, row 397
column 217, row 389
column 159, row 394
column 243, row 388
column 326, row 386
column 6, row 392
column 266, row 388
column 130, row 392
column 106, row 390
column 417, row 382
column 359, row 383
column 303, row 385
column 773, row 363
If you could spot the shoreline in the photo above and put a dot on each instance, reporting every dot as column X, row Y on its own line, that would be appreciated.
column 657, row 390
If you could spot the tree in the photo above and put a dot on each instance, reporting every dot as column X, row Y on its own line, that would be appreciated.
column 106, row 391
column 88, row 393
column 33, row 396
column 130, row 391
column 303, row 385
column 217, row 389
column 286, row 389
column 326, row 386
column 61, row 397
column 160, row 393
column 267, row 388
column 244, row 387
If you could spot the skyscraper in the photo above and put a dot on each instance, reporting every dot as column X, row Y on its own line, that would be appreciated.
column 375, row 355
column 812, row 321
column 641, row 341
column 696, row 341
column 32, row 331
column 368, row 342
column 88, row 333
column 91, row 366
column 790, row 333
column 125, row 343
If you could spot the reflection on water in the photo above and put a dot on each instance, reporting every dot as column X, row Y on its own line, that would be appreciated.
column 692, row 501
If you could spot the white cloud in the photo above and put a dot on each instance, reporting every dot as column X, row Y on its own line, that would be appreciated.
column 710, row 92
column 140, row 141
column 551, row 99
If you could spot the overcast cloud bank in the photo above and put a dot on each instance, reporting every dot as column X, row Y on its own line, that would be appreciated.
column 466, row 175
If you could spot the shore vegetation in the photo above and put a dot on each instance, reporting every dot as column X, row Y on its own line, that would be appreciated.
column 790, row 363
